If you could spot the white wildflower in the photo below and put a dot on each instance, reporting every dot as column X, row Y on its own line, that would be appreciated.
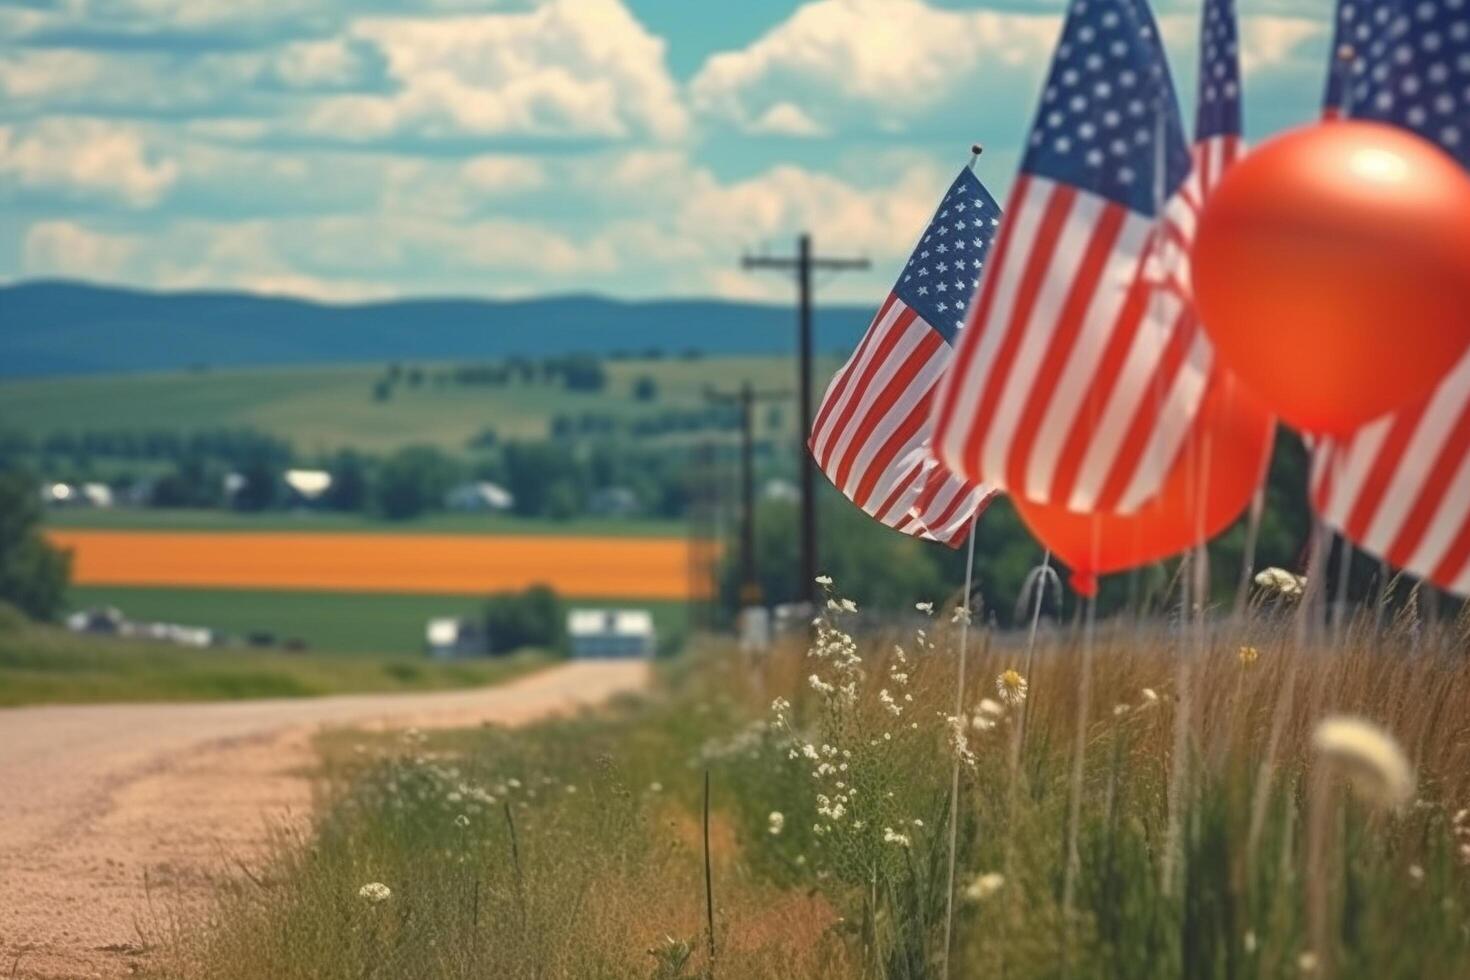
column 824, row 580
column 1150, row 698
column 891, row 836
column 985, row 886
column 918, row 823
column 810, row 751
column 1282, row 582
column 1249, row 941
column 849, row 606
column 1377, row 767
column 375, row 892
column 1416, row 872
column 927, row 608
column 961, row 615
column 886, row 699
column 1011, row 687
column 775, row 823
column 461, row 821
column 819, row 685
column 992, row 708
column 1120, row 709
column 1307, row 962
column 655, row 787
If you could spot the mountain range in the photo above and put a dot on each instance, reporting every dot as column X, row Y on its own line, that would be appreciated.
column 59, row 327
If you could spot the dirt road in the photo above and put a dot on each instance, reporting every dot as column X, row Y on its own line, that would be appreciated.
column 108, row 809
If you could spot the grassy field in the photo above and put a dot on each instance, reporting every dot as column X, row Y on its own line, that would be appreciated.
column 42, row 665
column 339, row 622
column 188, row 519
column 321, row 409
column 1275, row 810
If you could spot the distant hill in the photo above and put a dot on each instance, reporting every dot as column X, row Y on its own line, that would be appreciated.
column 52, row 327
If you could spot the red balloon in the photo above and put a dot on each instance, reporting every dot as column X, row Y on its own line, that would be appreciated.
column 1331, row 267
column 1218, row 470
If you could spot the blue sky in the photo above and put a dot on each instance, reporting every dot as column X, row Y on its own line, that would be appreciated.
column 351, row 149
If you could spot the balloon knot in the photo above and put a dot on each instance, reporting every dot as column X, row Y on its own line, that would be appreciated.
column 1084, row 584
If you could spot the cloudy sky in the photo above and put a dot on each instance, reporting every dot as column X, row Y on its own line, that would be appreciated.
column 348, row 149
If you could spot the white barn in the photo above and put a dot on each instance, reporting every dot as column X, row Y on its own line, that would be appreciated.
column 611, row 633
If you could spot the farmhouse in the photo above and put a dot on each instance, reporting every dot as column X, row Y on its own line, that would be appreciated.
column 611, row 633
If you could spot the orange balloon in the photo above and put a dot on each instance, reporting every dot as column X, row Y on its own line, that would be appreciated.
column 1331, row 267
column 1221, row 464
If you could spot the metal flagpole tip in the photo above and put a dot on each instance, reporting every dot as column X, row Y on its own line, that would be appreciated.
column 976, row 149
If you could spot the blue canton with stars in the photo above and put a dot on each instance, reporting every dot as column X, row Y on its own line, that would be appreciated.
column 1408, row 63
column 944, row 271
column 1106, row 99
column 1219, row 81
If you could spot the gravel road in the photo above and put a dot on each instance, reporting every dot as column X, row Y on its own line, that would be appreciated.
column 110, row 813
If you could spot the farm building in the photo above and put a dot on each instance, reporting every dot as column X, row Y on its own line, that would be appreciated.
column 611, row 633
column 455, row 636
column 479, row 496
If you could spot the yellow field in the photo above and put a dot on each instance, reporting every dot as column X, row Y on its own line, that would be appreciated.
column 636, row 568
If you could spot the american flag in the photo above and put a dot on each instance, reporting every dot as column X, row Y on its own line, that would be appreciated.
column 871, row 434
column 1400, row 486
column 1083, row 366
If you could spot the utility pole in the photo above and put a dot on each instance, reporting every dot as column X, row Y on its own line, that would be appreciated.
column 745, row 398
column 803, row 264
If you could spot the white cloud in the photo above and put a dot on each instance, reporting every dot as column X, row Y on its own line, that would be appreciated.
column 569, row 68
column 786, row 119
column 873, row 62
column 333, row 63
column 66, row 249
column 497, row 174
column 85, row 156
column 1268, row 42
column 41, row 73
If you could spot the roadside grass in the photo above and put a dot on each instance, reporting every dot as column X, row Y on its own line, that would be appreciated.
column 46, row 665
column 340, row 622
column 1249, row 854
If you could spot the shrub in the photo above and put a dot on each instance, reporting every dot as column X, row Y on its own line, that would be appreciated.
column 533, row 618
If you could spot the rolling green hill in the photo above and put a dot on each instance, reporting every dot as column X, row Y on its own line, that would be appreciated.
column 321, row 409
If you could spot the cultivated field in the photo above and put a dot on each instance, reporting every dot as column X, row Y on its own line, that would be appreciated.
column 321, row 409
column 333, row 622
column 1155, row 802
column 633, row 568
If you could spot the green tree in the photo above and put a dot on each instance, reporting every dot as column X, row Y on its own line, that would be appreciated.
column 349, row 490
column 33, row 575
column 412, row 481
column 533, row 618
column 645, row 389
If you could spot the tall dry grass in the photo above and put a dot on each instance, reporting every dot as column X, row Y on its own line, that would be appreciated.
column 831, row 834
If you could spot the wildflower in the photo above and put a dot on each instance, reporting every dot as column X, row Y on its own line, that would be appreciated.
column 1150, row 697
column 1307, row 962
column 819, row 685
column 775, row 823
column 849, row 606
column 918, row 823
column 824, row 580
column 1248, row 655
column 1376, row 765
column 375, row 892
column 1119, row 710
column 985, row 886
column 981, row 723
column 1282, row 582
column 894, row 708
column 655, row 787
column 1011, row 687
column 961, row 615
column 780, row 706
column 1249, row 941
column 927, row 608
column 1416, row 872
column 991, row 708
column 891, row 836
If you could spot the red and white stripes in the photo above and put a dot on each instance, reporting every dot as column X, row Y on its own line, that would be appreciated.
column 1400, row 486
column 1080, row 372
column 871, row 433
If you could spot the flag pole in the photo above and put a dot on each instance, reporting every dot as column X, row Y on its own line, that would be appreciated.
column 959, row 714
column 959, row 702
